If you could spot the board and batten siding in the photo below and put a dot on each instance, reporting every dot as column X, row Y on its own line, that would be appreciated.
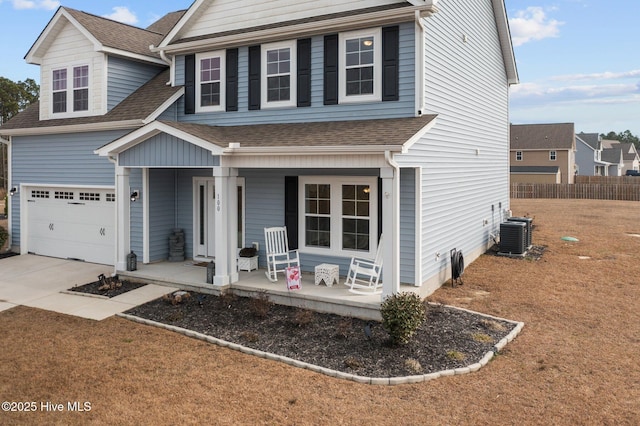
column 71, row 48
column 164, row 150
column 66, row 159
column 465, row 157
column 124, row 77
column 162, row 211
column 404, row 107
column 229, row 15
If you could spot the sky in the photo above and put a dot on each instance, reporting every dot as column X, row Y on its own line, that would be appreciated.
column 577, row 60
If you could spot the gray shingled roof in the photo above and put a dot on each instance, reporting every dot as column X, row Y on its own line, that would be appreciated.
column 557, row 136
column 534, row 169
column 612, row 155
column 167, row 22
column 122, row 36
column 591, row 139
column 137, row 106
column 628, row 151
column 383, row 132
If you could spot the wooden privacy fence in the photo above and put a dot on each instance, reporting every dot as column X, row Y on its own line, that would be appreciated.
column 624, row 192
column 627, row 180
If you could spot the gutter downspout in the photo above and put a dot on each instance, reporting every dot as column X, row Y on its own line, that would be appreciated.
column 391, row 229
column 168, row 61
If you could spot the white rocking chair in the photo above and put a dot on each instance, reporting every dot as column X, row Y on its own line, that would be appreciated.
column 364, row 274
column 279, row 257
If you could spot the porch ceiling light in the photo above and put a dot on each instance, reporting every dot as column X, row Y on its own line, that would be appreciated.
column 135, row 195
column 13, row 191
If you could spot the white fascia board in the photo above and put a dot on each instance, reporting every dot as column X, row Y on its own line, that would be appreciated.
column 303, row 150
column 31, row 57
column 74, row 128
column 504, row 33
column 150, row 130
column 419, row 134
column 181, row 23
column 299, row 30
column 134, row 56
column 162, row 108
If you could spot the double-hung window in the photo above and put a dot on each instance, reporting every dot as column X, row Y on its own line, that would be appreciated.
column 338, row 215
column 279, row 79
column 552, row 155
column 360, row 58
column 210, row 88
column 518, row 155
column 76, row 78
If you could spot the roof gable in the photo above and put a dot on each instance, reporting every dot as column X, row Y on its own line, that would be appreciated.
column 105, row 34
column 559, row 136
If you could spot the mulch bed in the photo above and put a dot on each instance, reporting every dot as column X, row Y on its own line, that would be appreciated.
column 7, row 254
column 448, row 339
column 94, row 288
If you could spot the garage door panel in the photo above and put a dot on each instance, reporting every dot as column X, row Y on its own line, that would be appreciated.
column 67, row 227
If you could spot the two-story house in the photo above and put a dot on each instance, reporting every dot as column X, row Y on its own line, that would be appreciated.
column 543, row 153
column 593, row 159
column 630, row 157
column 341, row 120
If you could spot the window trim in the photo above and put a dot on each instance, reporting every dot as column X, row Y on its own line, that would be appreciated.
column 292, row 45
column 376, row 96
column 70, row 90
column 553, row 155
column 223, row 79
column 336, row 183
column 519, row 155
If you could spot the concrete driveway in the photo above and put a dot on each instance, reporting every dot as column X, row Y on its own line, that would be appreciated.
column 40, row 282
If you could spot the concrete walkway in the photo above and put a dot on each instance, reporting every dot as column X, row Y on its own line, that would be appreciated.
column 40, row 282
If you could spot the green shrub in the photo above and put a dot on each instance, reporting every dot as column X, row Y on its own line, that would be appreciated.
column 402, row 314
column 4, row 236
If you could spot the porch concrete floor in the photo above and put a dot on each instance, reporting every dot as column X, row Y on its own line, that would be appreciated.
column 336, row 299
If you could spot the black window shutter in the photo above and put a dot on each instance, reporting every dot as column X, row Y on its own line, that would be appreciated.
column 190, row 84
column 331, row 69
column 304, row 72
column 291, row 210
column 232, row 80
column 390, row 63
column 254, row 77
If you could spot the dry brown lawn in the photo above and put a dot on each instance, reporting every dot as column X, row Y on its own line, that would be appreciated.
column 575, row 362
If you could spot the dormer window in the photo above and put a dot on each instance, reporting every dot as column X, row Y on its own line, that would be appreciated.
column 78, row 96
column 279, row 75
column 210, row 90
column 361, row 66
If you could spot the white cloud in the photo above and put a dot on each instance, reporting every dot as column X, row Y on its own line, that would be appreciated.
column 123, row 14
column 33, row 4
column 598, row 76
column 533, row 94
column 532, row 24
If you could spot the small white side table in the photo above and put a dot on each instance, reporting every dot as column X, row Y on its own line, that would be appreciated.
column 327, row 273
column 247, row 263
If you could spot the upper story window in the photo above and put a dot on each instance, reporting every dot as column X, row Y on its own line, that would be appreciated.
column 278, row 74
column 518, row 155
column 360, row 58
column 78, row 96
column 552, row 156
column 210, row 88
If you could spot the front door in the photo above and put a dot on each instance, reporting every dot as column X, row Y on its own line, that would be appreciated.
column 204, row 217
column 204, row 211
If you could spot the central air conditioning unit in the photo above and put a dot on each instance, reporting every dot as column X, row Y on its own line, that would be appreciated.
column 513, row 238
column 529, row 222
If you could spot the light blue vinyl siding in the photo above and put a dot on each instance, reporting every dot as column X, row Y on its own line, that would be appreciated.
column 124, row 77
column 162, row 211
column 405, row 107
column 66, row 159
column 164, row 150
column 585, row 159
column 465, row 156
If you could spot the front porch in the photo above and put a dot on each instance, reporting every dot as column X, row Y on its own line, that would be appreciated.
column 336, row 299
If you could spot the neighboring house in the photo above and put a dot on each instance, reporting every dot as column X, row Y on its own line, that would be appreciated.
column 341, row 120
column 630, row 158
column 615, row 161
column 544, row 145
column 589, row 158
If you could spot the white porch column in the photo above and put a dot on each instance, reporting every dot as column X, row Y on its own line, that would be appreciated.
column 226, row 225
column 391, row 231
column 123, row 209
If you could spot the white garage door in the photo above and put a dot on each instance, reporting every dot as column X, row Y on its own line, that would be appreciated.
column 71, row 223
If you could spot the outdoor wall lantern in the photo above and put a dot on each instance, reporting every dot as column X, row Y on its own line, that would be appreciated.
column 13, row 191
column 135, row 195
